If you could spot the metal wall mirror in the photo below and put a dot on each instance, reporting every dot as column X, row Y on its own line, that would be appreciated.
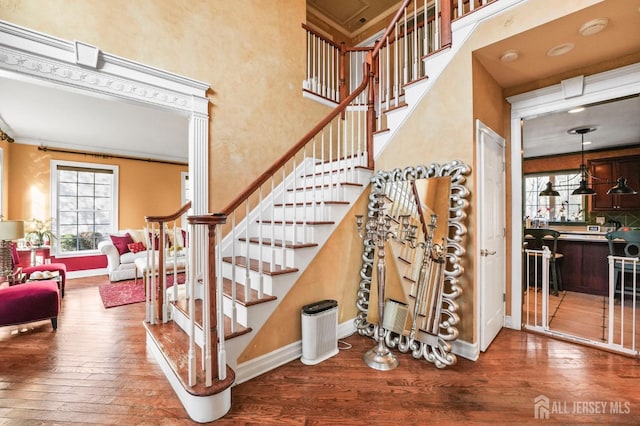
column 422, row 282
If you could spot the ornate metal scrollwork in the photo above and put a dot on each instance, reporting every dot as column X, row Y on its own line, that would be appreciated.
column 435, row 348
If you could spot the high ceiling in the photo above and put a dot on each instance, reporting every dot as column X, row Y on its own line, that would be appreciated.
column 42, row 115
column 351, row 16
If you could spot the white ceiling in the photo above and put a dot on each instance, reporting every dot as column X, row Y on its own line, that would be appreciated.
column 617, row 124
column 40, row 114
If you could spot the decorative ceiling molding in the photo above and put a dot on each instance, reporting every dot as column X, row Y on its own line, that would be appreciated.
column 29, row 53
column 373, row 11
column 33, row 57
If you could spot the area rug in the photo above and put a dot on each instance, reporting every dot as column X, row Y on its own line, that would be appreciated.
column 127, row 292
column 121, row 293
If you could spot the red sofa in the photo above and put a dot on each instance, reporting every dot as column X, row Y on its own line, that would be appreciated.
column 30, row 302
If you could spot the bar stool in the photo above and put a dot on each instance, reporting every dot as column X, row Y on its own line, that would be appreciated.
column 540, row 237
column 629, row 248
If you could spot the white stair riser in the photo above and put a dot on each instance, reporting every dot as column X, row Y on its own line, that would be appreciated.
column 241, row 277
column 241, row 311
column 395, row 117
column 351, row 175
column 303, row 233
column 360, row 160
column 316, row 212
column 334, row 193
column 267, row 253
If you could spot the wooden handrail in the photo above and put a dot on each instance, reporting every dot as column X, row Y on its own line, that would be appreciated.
column 170, row 217
column 320, row 36
column 208, row 219
column 294, row 149
column 384, row 38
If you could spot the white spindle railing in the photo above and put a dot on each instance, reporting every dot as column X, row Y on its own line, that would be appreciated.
column 322, row 76
column 299, row 193
column 623, row 301
column 401, row 61
column 536, row 289
column 167, row 259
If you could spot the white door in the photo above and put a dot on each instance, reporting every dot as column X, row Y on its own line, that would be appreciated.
column 491, row 249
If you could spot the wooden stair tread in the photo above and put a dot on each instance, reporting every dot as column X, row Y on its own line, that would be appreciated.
column 342, row 169
column 396, row 107
column 183, row 306
column 173, row 342
column 278, row 243
column 299, row 222
column 385, row 130
column 311, row 203
column 409, row 279
column 328, row 185
column 253, row 294
column 254, row 266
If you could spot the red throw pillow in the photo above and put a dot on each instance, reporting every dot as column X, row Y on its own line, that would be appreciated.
column 136, row 247
column 122, row 242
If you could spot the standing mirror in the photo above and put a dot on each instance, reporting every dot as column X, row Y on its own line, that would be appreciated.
column 422, row 278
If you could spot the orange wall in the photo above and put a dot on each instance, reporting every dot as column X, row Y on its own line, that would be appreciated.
column 29, row 185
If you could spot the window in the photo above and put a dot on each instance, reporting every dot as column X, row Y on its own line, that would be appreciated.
column 566, row 207
column 84, row 204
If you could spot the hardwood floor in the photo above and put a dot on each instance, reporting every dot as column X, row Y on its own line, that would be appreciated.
column 95, row 370
column 586, row 316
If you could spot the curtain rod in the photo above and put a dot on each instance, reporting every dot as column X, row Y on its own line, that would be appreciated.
column 101, row 155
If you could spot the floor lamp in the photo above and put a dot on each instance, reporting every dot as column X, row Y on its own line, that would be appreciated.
column 9, row 230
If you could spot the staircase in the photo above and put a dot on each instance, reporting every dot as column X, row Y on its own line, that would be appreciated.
column 263, row 241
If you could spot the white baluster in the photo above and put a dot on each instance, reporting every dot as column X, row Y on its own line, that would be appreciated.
column 222, row 352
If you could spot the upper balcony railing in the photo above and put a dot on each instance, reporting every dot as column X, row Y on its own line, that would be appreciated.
column 423, row 28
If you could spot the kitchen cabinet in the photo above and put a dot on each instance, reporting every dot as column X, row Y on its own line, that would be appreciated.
column 585, row 267
column 605, row 173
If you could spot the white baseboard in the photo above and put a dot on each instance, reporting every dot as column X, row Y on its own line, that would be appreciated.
column 87, row 273
column 466, row 350
column 267, row 362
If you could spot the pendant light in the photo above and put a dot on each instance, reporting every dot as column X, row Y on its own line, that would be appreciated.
column 582, row 189
column 621, row 188
column 549, row 191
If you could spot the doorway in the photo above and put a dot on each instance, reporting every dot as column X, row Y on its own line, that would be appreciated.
column 600, row 88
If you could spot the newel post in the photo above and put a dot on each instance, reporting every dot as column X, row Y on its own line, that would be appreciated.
column 212, row 221
column 341, row 71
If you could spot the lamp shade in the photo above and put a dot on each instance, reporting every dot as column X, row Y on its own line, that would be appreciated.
column 583, row 189
column 549, row 191
column 621, row 188
column 11, row 230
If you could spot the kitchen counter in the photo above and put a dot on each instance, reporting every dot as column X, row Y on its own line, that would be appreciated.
column 584, row 265
column 583, row 236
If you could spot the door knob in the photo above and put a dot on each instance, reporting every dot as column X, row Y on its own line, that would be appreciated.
column 485, row 252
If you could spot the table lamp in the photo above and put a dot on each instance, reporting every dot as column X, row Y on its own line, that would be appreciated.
column 9, row 230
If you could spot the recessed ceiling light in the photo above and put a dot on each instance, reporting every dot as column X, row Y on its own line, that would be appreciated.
column 560, row 49
column 594, row 26
column 586, row 143
column 576, row 110
column 509, row 56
